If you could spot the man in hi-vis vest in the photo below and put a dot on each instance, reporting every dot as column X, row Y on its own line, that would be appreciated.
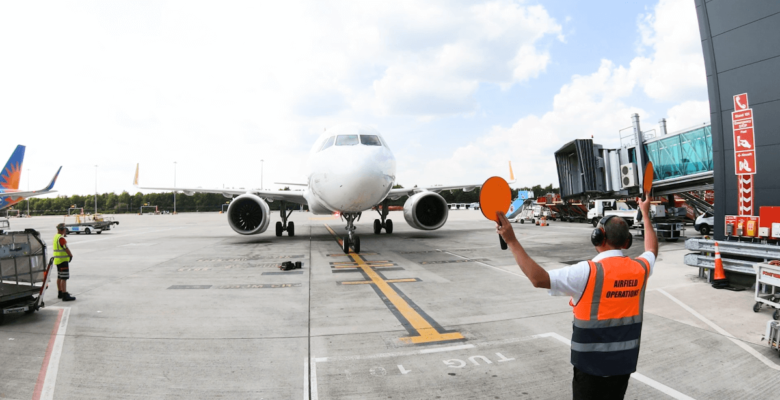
column 62, row 259
column 607, row 295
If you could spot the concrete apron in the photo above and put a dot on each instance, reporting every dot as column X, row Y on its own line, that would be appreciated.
column 180, row 307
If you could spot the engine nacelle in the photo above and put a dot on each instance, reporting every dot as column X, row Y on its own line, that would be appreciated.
column 249, row 214
column 426, row 211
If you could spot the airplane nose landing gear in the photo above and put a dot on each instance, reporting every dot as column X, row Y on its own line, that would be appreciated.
column 351, row 238
column 283, row 225
column 385, row 223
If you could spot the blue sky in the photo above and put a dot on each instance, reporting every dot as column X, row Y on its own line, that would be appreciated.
column 457, row 88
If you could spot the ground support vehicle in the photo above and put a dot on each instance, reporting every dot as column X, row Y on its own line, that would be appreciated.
column 602, row 208
column 5, row 224
column 570, row 212
column 669, row 231
column 772, row 334
column 91, row 223
column 769, row 276
column 24, row 272
column 704, row 223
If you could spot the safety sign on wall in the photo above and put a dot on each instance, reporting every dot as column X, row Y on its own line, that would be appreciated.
column 744, row 152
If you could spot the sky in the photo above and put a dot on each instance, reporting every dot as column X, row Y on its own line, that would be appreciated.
column 457, row 88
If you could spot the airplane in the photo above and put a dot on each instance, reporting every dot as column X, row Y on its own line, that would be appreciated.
column 351, row 170
column 10, row 176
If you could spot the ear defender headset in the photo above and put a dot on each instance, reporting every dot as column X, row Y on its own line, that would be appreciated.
column 599, row 236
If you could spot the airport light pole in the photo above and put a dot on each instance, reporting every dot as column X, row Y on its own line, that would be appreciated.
column 28, row 189
column 96, row 189
column 174, row 187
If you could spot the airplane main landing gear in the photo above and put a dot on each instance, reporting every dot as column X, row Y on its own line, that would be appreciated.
column 351, row 238
column 385, row 223
column 283, row 225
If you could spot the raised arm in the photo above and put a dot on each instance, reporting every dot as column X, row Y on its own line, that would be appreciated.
column 538, row 276
column 651, row 240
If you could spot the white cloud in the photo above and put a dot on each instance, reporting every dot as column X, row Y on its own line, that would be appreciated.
column 598, row 105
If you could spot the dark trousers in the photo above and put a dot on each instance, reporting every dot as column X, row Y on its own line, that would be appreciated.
column 586, row 386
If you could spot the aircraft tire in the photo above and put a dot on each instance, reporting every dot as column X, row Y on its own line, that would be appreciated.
column 278, row 228
column 345, row 245
column 377, row 227
column 290, row 229
column 389, row 226
column 356, row 244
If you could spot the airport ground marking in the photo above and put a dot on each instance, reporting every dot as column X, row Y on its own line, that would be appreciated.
column 487, row 265
column 423, row 329
column 723, row 332
column 47, row 377
column 402, row 280
column 636, row 375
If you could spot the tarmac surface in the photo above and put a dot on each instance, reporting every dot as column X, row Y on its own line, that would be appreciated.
column 181, row 307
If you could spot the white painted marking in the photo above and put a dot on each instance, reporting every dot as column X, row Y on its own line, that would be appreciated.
column 47, row 392
column 636, row 375
column 314, row 395
column 503, row 359
column 10, row 338
column 403, row 370
column 473, row 360
column 723, row 332
column 306, row 378
column 444, row 349
column 487, row 265
column 452, row 363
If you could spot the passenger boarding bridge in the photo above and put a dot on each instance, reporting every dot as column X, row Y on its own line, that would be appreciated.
column 682, row 162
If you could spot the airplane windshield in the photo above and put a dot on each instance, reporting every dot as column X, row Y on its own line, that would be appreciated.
column 370, row 140
column 328, row 143
column 346, row 140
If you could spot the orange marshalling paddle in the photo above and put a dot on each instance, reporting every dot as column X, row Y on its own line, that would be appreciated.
column 495, row 195
column 647, row 184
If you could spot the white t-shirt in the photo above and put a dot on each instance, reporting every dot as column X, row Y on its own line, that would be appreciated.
column 571, row 281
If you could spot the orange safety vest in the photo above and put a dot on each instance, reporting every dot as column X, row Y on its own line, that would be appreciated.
column 608, row 317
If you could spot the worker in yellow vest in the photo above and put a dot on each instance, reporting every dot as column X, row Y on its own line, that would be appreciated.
column 62, row 259
column 607, row 297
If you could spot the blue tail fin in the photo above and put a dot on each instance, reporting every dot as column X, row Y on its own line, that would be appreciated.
column 11, row 174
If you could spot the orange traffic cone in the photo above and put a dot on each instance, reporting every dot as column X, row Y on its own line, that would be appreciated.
column 719, row 281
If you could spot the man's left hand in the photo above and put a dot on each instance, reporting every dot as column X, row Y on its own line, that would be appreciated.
column 504, row 228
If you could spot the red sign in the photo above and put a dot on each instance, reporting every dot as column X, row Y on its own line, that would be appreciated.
column 743, row 124
column 745, row 195
column 745, row 162
column 740, row 102
column 744, row 140
column 739, row 115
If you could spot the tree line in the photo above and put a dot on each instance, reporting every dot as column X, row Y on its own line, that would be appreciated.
column 112, row 203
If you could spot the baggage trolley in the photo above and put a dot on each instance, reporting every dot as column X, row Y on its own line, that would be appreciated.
column 24, row 272
column 768, row 275
column 772, row 334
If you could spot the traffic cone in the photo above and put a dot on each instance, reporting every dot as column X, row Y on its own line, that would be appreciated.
column 719, row 281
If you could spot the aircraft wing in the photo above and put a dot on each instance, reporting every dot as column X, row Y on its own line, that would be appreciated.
column 269, row 195
column 15, row 194
column 396, row 194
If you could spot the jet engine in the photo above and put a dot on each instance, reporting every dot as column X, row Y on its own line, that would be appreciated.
column 426, row 211
column 248, row 214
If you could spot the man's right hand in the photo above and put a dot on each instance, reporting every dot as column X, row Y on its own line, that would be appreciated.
column 644, row 206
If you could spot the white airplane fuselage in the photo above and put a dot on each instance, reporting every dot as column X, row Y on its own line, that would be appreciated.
column 349, row 178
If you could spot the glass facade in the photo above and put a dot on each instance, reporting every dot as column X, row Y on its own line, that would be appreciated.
column 683, row 154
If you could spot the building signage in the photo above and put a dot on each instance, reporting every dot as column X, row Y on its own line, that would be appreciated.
column 744, row 152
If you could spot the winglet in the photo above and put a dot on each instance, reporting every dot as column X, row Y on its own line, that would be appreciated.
column 511, row 174
column 135, row 180
column 53, row 180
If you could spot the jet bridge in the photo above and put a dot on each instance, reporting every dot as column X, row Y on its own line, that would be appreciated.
column 682, row 162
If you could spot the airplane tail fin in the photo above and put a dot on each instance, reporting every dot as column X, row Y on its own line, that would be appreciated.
column 11, row 174
column 511, row 174
column 53, row 180
column 135, row 180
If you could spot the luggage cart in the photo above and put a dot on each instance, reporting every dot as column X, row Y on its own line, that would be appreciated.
column 768, row 275
column 772, row 335
column 24, row 272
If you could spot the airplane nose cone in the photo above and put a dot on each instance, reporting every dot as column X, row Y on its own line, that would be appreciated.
column 358, row 182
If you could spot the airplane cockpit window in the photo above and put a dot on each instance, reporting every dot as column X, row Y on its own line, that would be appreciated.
column 346, row 140
column 370, row 140
column 328, row 143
